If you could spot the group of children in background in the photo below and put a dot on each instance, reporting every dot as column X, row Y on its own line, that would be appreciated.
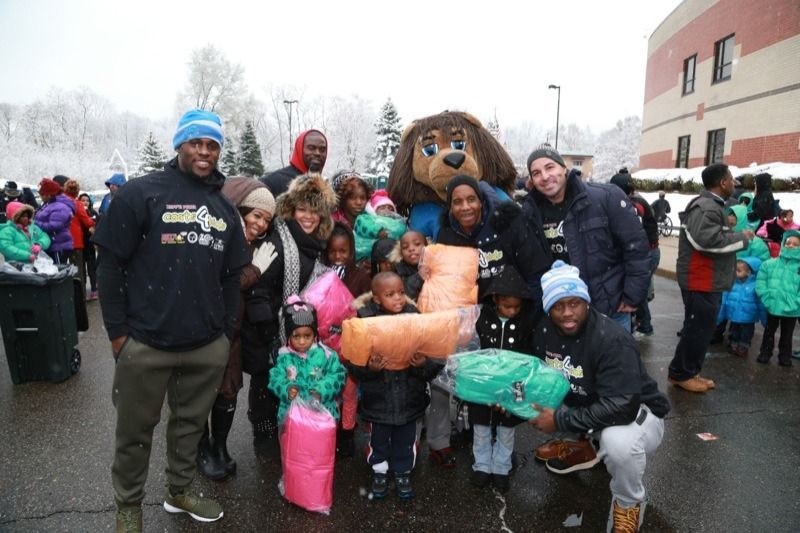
column 766, row 288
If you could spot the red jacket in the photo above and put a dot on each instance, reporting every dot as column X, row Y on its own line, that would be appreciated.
column 80, row 222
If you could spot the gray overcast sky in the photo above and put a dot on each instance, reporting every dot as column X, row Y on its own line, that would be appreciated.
column 428, row 56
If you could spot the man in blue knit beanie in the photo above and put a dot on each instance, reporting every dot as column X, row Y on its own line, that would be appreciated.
column 611, row 396
column 171, row 249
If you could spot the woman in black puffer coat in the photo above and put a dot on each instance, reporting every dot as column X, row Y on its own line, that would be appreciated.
column 475, row 217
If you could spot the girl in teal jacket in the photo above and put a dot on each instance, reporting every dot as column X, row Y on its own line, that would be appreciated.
column 778, row 286
column 305, row 366
column 20, row 239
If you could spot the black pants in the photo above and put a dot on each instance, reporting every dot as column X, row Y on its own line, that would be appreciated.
column 699, row 323
column 90, row 265
column 786, row 324
column 393, row 447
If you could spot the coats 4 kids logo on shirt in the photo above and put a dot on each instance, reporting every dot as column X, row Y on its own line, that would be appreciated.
column 200, row 216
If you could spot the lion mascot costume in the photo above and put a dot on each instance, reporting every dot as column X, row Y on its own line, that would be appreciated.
column 435, row 149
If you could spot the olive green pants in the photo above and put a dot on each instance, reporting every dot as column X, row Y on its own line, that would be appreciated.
column 142, row 377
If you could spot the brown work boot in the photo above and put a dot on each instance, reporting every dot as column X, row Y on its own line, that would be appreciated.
column 549, row 449
column 709, row 383
column 626, row 519
column 578, row 455
column 692, row 384
column 552, row 448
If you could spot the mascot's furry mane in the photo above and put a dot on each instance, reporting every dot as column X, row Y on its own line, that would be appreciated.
column 409, row 180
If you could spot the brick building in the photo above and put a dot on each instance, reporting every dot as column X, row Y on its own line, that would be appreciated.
column 723, row 85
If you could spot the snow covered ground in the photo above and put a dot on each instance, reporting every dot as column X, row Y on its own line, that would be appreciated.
column 784, row 171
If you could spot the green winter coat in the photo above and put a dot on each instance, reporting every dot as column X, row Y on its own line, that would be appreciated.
column 778, row 281
column 757, row 248
column 750, row 224
column 15, row 245
column 318, row 370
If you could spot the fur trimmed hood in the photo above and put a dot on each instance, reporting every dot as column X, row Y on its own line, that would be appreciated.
column 316, row 193
column 396, row 255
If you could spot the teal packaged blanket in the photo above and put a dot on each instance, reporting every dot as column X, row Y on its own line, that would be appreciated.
column 511, row 379
column 368, row 228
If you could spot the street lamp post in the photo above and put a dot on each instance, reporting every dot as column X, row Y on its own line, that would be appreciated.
column 288, row 104
column 558, row 109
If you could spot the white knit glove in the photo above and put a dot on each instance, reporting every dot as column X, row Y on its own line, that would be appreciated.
column 264, row 256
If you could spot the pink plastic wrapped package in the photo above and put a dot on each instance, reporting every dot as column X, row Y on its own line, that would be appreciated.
column 398, row 337
column 451, row 274
column 331, row 299
column 308, row 450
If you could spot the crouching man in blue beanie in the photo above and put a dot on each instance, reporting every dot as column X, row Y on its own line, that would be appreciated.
column 171, row 248
column 611, row 397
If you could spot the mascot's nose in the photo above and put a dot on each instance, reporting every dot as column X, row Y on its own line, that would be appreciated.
column 454, row 160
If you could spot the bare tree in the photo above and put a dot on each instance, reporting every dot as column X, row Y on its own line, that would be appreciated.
column 216, row 84
column 9, row 120
column 349, row 125
column 617, row 147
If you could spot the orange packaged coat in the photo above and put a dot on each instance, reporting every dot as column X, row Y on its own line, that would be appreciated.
column 398, row 337
column 451, row 280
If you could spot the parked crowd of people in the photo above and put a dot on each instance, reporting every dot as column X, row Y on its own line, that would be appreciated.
column 200, row 280
column 55, row 229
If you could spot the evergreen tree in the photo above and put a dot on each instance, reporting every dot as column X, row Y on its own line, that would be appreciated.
column 151, row 156
column 249, row 160
column 228, row 163
column 388, row 130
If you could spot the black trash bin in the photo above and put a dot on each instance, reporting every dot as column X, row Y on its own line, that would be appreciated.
column 37, row 318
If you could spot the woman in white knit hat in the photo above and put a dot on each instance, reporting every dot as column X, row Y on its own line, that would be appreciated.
column 301, row 227
column 256, row 206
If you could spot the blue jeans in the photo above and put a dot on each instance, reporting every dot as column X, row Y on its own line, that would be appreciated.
column 643, row 323
column 492, row 457
column 623, row 319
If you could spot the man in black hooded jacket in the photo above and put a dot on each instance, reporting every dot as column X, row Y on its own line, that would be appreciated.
column 611, row 395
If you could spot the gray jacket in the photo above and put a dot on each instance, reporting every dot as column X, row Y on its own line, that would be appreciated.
column 707, row 246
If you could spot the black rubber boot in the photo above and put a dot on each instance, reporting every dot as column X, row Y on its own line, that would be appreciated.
column 263, row 413
column 344, row 443
column 221, row 421
column 207, row 463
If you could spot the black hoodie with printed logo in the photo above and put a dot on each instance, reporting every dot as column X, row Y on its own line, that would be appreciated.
column 171, row 250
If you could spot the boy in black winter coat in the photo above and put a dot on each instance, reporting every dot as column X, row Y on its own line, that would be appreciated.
column 392, row 400
column 507, row 322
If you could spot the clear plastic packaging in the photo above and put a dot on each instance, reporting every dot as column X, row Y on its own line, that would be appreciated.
column 502, row 377
column 450, row 274
column 42, row 271
column 398, row 337
column 308, row 452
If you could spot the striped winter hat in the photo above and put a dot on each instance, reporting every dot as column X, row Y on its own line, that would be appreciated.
column 562, row 281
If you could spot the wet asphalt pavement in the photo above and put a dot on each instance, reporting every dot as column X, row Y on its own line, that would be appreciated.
column 57, row 444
